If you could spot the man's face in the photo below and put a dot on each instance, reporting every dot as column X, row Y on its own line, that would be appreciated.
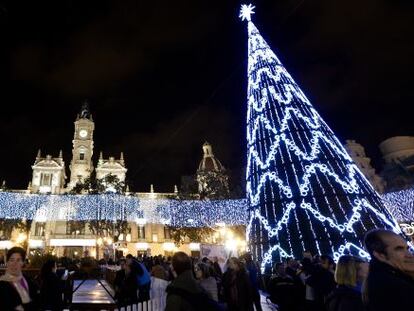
column 281, row 269
column 397, row 254
column 15, row 264
column 232, row 265
column 325, row 264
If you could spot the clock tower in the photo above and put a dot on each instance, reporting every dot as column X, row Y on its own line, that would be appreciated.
column 81, row 165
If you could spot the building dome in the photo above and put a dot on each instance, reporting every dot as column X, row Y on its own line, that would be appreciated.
column 397, row 148
column 209, row 161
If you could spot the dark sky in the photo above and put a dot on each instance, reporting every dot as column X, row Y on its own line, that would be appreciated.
column 164, row 76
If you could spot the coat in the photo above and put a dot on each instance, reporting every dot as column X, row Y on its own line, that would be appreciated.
column 158, row 293
column 285, row 293
column 128, row 291
column 344, row 298
column 10, row 298
column 387, row 288
column 238, row 291
column 323, row 283
column 51, row 292
column 185, row 283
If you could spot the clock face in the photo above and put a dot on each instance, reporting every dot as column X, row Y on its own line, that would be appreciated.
column 83, row 133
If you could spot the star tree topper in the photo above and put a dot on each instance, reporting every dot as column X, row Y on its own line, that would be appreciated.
column 246, row 11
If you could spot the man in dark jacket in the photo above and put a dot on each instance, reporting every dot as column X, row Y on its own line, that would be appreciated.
column 390, row 285
column 184, row 293
column 322, row 281
column 283, row 290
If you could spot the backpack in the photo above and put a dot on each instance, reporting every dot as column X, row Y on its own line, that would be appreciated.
column 199, row 301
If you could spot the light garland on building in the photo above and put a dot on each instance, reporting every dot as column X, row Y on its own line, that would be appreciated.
column 304, row 191
column 173, row 212
column 400, row 204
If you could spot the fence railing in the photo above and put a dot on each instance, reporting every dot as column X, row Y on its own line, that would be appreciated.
column 150, row 305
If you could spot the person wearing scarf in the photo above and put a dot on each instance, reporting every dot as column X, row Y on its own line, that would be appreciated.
column 15, row 291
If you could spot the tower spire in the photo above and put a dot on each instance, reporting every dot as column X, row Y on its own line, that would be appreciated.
column 301, row 183
column 121, row 158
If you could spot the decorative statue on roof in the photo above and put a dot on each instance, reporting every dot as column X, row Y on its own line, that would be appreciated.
column 85, row 113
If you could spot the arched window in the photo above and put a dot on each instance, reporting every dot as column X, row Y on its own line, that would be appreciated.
column 82, row 152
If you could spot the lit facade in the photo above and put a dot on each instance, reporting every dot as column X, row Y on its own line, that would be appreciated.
column 111, row 166
column 58, row 229
column 48, row 174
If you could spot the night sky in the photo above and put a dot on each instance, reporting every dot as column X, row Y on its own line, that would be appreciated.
column 162, row 77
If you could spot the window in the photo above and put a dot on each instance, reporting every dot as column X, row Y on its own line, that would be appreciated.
column 154, row 237
column 39, row 229
column 45, row 179
column 141, row 232
column 82, row 155
column 167, row 233
column 75, row 228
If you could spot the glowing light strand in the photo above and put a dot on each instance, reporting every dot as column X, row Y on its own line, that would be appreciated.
column 119, row 207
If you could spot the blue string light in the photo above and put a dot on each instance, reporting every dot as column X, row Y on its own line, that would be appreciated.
column 304, row 191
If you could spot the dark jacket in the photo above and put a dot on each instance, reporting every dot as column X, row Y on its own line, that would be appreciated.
column 387, row 288
column 344, row 298
column 186, row 284
column 10, row 298
column 127, row 294
column 51, row 291
column 253, row 275
column 323, row 283
column 238, row 292
column 118, row 282
column 285, row 293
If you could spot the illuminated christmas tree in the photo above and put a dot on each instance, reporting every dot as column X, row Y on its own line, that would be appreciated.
column 304, row 191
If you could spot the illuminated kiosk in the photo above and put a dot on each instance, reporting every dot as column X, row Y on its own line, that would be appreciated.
column 304, row 191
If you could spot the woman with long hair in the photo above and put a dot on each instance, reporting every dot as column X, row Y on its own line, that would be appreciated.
column 203, row 274
column 129, row 287
column 237, row 288
column 51, row 287
column 350, row 274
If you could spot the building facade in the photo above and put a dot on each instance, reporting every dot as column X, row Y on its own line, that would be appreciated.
column 357, row 153
column 398, row 155
column 79, row 238
column 111, row 166
column 48, row 174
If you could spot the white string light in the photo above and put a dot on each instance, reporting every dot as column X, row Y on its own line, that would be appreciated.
column 400, row 204
column 177, row 213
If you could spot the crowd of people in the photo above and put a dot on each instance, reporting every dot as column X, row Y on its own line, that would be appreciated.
column 182, row 283
column 352, row 284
